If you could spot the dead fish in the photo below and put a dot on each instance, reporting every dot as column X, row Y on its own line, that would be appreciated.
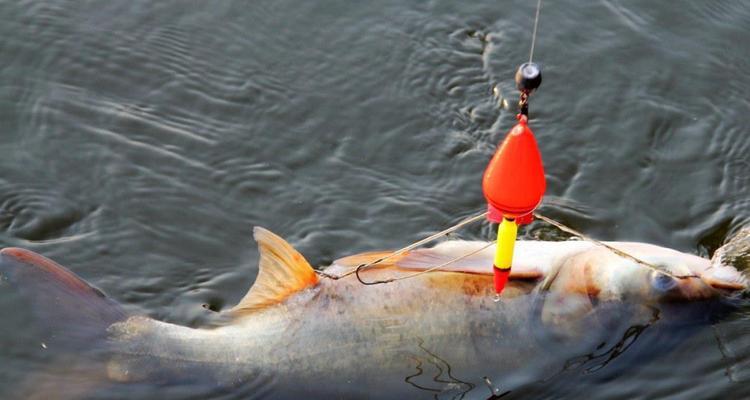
column 296, row 333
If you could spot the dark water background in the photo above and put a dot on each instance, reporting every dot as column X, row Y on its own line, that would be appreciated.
column 142, row 141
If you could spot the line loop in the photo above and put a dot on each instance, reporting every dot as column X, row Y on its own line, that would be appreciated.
column 356, row 270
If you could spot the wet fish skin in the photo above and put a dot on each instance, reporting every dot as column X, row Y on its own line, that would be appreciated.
column 439, row 331
column 341, row 329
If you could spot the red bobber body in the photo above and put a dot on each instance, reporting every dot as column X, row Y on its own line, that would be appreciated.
column 514, row 182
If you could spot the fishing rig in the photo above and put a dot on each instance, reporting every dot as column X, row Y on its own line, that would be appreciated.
column 513, row 182
column 513, row 185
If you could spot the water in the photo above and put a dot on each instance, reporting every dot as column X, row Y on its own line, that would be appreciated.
column 142, row 141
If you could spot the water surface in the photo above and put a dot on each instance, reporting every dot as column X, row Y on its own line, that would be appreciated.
column 143, row 140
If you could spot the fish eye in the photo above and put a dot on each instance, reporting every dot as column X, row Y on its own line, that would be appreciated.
column 662, row 282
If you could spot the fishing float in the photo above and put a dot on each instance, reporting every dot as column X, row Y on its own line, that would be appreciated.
column 513, row 182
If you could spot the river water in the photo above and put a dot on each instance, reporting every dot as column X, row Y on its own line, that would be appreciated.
column 142, row 141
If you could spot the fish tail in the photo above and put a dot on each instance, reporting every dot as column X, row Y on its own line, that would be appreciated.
column 69, row 317
column 69, row 313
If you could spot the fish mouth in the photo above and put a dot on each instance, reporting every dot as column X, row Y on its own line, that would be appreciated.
column 690, row 288
column 725, row 279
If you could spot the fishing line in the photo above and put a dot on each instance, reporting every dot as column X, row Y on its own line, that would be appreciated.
column 533, row 35
column 480, row 216
column 615, row 250
column 412, row 246
column 469, row 254
column 559, row 225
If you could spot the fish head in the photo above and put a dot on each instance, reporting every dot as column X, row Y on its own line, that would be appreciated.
column 584, row 284
column 653, row 275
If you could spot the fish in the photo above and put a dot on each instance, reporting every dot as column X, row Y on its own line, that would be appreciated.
column 569, row 306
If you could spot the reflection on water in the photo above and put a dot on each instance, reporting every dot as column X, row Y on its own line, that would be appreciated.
column 143, row 140
column 443, row 382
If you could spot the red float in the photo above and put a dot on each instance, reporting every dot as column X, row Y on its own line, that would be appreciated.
column 513, row 182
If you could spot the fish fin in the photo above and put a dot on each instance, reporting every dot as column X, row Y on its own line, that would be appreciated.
column 68, row 310
column 369, row 257
column 479, row 263
column 282, row 271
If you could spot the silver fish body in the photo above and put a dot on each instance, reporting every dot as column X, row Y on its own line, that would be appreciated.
column 442, row 333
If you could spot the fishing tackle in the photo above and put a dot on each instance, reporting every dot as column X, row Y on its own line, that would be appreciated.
column 513, row 186
column 513, row 182
column 528, row 79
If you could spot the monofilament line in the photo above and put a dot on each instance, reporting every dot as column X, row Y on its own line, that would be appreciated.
column 439, row 266
column 356, row 270
column 410, row 247
column 615, row 250
column 533, row 35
